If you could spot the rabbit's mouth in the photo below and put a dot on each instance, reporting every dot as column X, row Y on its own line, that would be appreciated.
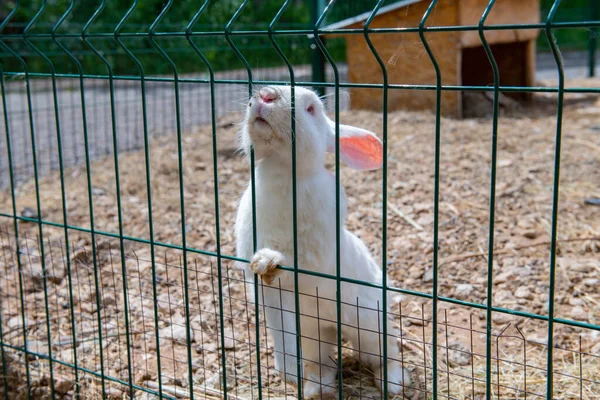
column 261, row 121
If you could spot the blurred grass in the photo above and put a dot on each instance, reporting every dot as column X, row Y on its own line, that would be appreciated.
column 256, row 16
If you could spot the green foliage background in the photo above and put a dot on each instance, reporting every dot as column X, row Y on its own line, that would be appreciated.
column 256, row 16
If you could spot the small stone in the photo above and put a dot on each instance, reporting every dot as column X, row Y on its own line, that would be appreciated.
column 215, row 380
column 96, row 191
column 81, row 256
column 531, row 234
column 29, row 212
column 579, row 314
column 62, row 386
column 35, row 272
column 592, row 201
column 113, row 393
column 176, row 333
column 15, row 322
column 539, row 340
column 428, row 276
column 37, row 346
column 109, row 299
column 503, row 277
column 142, row 376
column 206, row 347
column 501, row 318
column 575, row 301
column 591, row 282
column 523, row 293
column 88, row 307
column 229, row 341
column 459, row 354
column 415, row 273
column 503, row 296
column 463, row 291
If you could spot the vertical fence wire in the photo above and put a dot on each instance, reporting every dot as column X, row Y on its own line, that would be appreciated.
column 338, row 222
column 255, row 279
column 436, row 195
column 165, row 56
column 26, row 31
column 9, row 17
column 492, row 207
column 298, row 333
column 384, row 227
column 115, row 143
column 555, row 197
column 248, row 69
column 140, row 68
column 59, row 145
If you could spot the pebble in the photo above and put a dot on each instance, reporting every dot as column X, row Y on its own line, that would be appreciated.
column 463, row 291
column 503, row 296
column 579, row 314
column 503, row 277
column 428, row 275
column 96, row 191
column 591, row 282
column 229, row 342
column 176, row 333
column 62, row 386
column 459, row 354
column 29, row 212
column 523, row 293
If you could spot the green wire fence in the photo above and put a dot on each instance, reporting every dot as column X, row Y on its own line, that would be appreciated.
column 117, row 269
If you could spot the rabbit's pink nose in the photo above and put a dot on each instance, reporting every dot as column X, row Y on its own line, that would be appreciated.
column 268, row 94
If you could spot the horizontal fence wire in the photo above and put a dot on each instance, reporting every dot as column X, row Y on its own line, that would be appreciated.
column 99, row 300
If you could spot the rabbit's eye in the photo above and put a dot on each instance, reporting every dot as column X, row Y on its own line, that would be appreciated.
column 250, row 104
column 311, row 109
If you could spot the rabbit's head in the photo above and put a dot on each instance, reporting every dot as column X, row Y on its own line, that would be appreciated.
column 268, row 128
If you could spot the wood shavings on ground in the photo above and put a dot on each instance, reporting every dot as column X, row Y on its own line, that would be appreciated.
column 522, row 226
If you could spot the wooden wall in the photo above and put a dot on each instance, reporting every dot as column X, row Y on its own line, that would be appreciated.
column 407, row 62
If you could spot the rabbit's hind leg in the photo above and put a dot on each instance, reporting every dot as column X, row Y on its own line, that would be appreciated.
column 320, row 371
column 281, row 326
column 371, row 345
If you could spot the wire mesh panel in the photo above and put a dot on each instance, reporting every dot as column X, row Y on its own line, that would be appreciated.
column 121, row 274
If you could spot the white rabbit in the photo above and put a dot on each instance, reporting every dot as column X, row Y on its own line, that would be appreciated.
column 267, row 127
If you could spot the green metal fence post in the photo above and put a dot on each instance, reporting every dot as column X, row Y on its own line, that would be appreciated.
column 11, row 174
column 593, row 42
column 299, row 362
column 316, row 55
column 384, row 228
column 165, row 56
column 338, row 221
column 436, row 196
column 241, row 57
column 148, row 182
column 36, row 175
column 492, row 207
column 64, row 195
column 555, row 197
column 115, row 143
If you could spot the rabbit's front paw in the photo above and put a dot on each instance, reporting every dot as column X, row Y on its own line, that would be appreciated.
column 264, row 263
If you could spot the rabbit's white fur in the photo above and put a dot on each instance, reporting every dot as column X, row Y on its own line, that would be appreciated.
column 267, row 127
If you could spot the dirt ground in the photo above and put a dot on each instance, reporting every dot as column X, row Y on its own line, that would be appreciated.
column 127, row 349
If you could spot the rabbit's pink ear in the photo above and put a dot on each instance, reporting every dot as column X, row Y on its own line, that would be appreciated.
column 359, row 148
